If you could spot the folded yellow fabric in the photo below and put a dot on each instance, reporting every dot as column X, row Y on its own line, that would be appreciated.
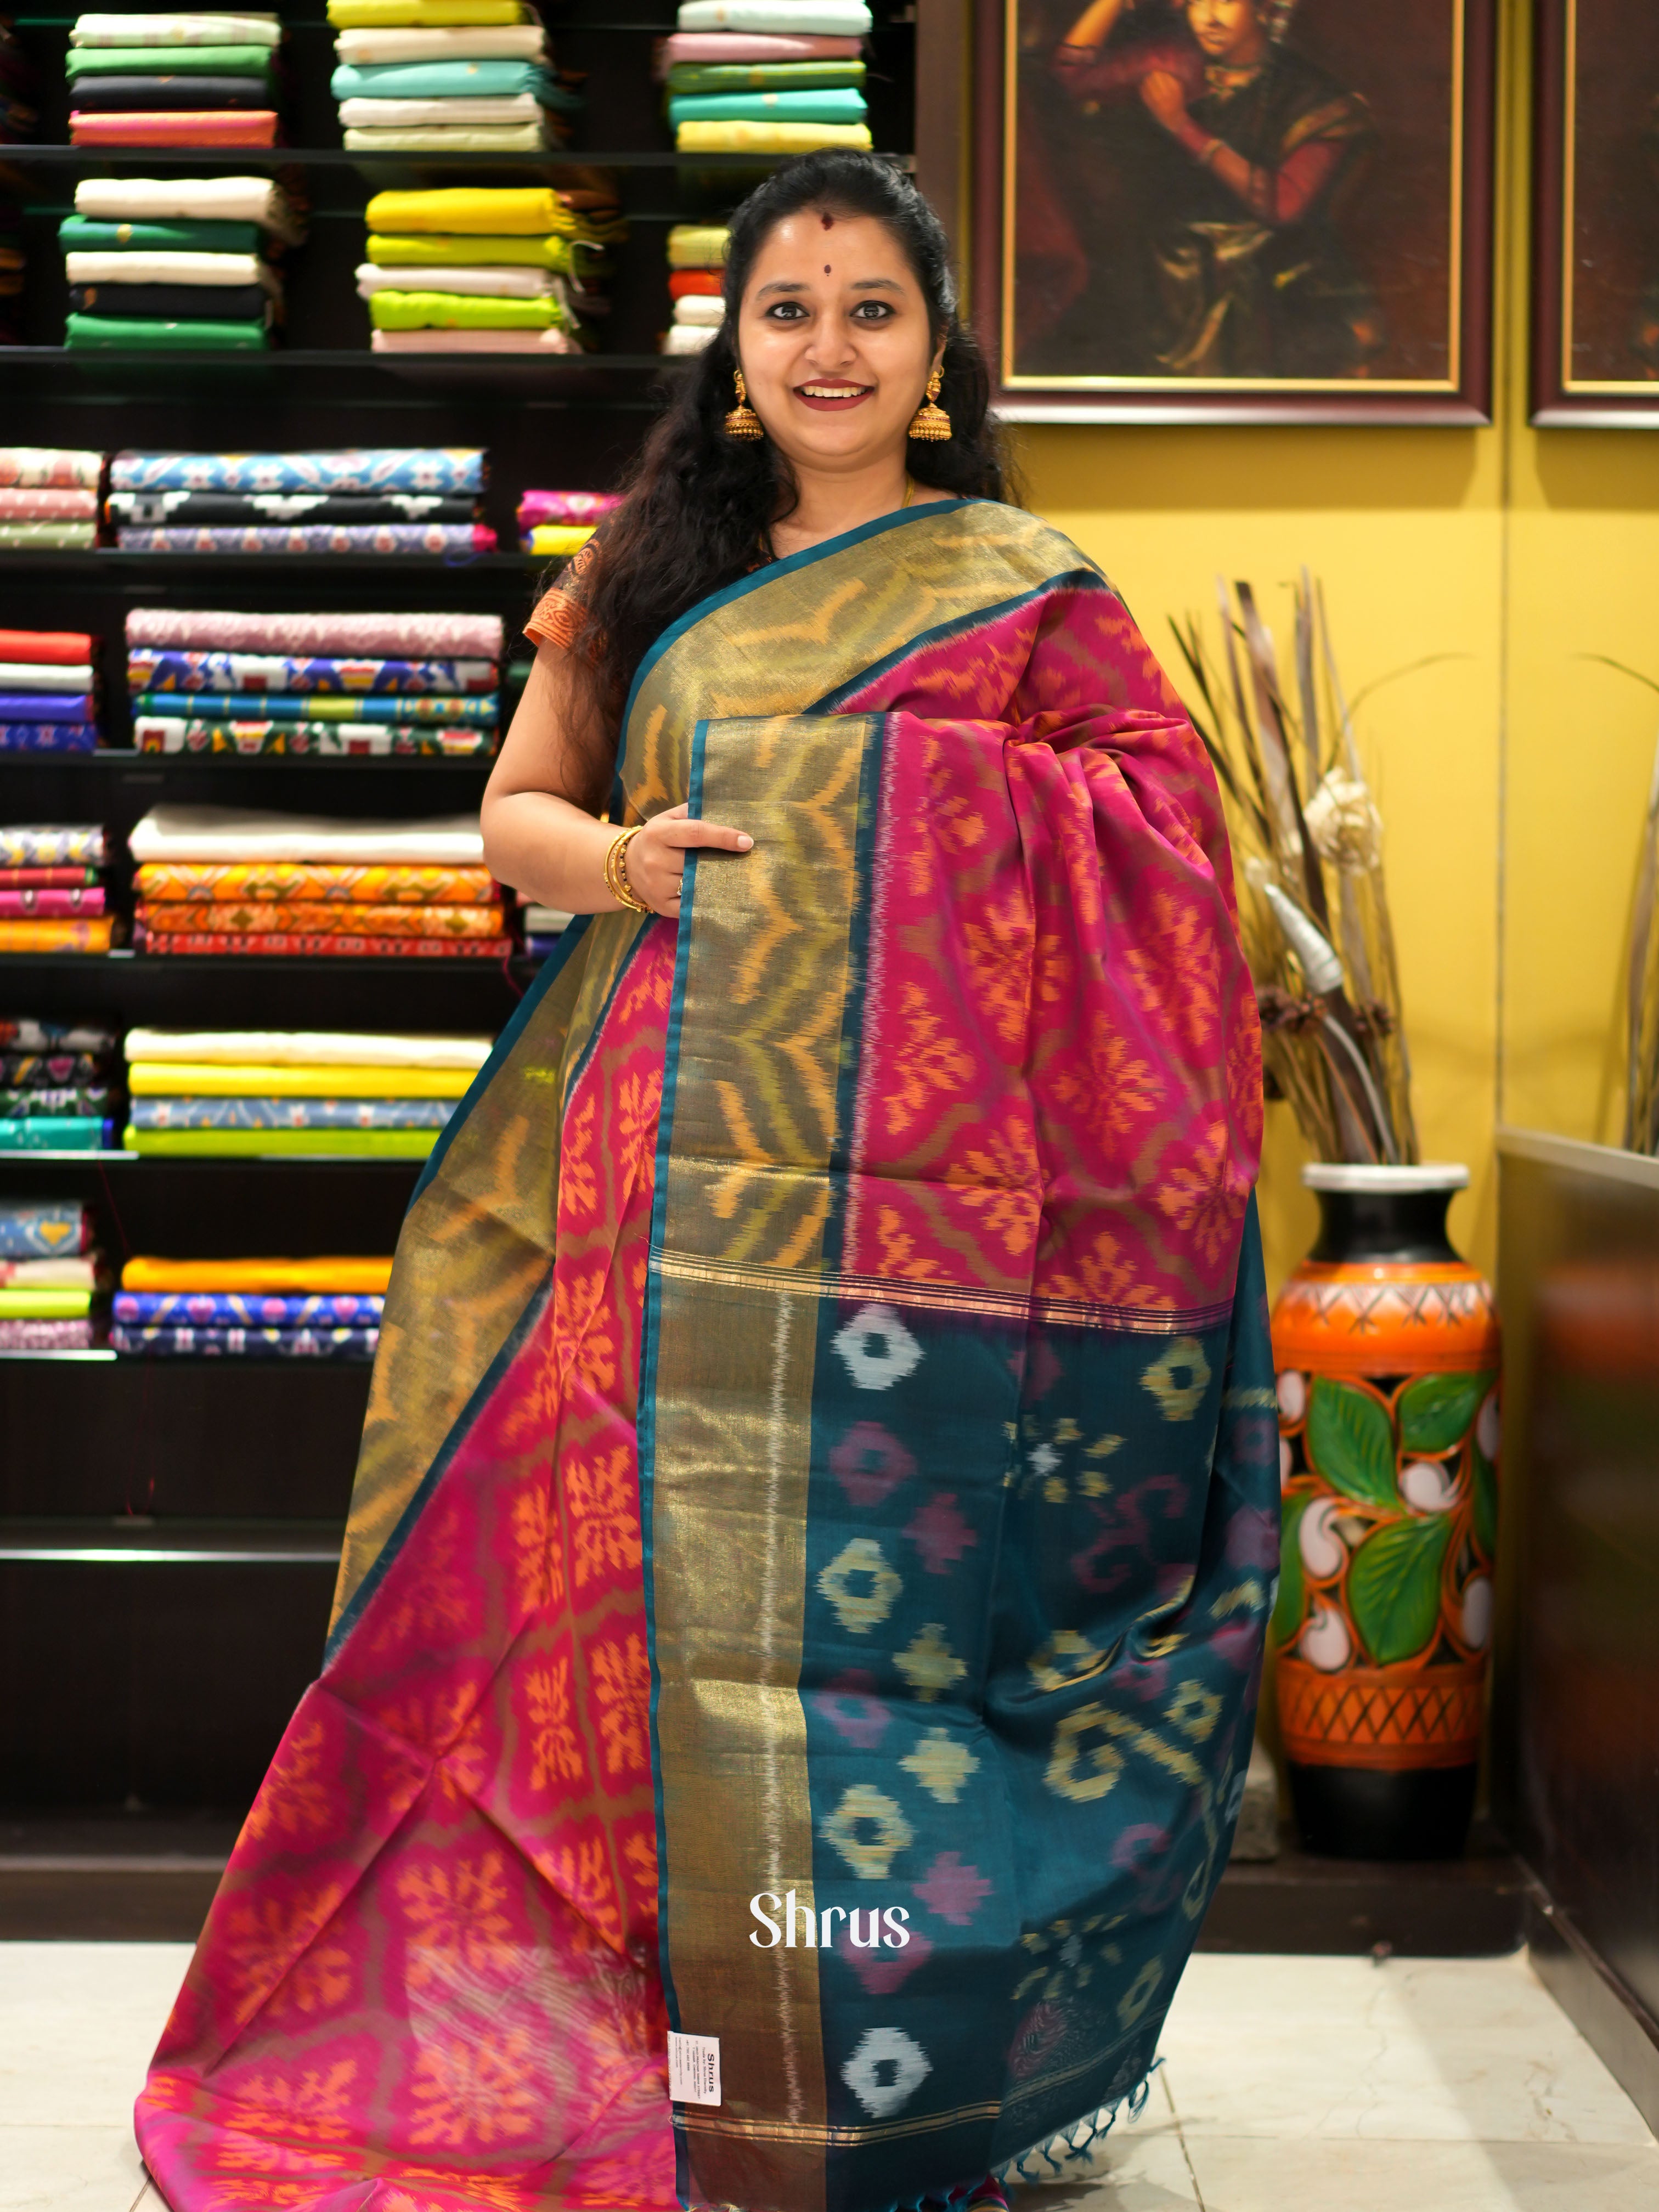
column 769, row 137
column 697, row 246
column 553, row 538
column 516, row 211
column 276, row 1275
column 178, row 1078
column 434, row 251
column 401, row 14
column 36, row 1304
column 462, row 311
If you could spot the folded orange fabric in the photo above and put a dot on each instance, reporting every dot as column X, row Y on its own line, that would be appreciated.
column 143, row 1274
column 215, row 882
column 253, row 126
column 56, row 936
column 250, row 918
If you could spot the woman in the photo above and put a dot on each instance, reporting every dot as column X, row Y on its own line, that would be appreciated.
column 1233, row 152
column 805, row 1578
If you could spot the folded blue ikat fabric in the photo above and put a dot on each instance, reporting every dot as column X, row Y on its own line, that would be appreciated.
column 247, row 1309
column 326, row 706
column 245, row 673
column 354, row 468
column 44, row 1230
column 246, row 1343
column 317, row 537
column 48, row 737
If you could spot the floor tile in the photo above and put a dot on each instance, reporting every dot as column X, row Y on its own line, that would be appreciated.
column 72, row 2169
column 1140, row 2167
column 78, row 2022
column 1236, row 2175
column 1413, row 2050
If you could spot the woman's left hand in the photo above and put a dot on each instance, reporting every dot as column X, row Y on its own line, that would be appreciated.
column 1163, row 96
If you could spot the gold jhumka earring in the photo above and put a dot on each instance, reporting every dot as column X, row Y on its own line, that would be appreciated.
column 930, row 420
column 743, row 422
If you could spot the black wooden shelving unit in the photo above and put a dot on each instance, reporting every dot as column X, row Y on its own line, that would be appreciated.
column 169, row 1530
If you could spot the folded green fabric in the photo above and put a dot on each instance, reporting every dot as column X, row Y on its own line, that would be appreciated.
column 461, row 311
column 827, row 106
column 43, row 1304
column 246, row 1143
column 175, row 61
column 436, row 250
column 484, row 79
column 136, row 332
column 690, row 77
column 81, row 233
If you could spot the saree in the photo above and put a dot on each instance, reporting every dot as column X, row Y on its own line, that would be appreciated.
column 798, row 1630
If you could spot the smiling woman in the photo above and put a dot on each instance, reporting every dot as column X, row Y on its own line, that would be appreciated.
column 821, row 1452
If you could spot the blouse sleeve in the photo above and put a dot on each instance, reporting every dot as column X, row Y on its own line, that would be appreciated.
column 557, row 617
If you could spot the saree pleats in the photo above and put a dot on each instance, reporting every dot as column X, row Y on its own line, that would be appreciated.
column 818, row 1510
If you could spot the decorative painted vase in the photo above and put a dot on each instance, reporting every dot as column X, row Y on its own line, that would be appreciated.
column 1387, row 1351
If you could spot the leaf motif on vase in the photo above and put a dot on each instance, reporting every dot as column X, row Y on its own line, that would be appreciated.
column 1350, row 1442
column 1437, row 1411
column 1394, row 1587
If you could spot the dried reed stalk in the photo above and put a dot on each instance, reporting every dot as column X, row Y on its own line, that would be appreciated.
column 1642, row 989
column 1308, row 849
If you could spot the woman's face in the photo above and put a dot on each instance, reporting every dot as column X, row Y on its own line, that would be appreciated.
column 1229, row 31
column 833, row 337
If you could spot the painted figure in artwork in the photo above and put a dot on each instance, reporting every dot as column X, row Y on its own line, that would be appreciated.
column 1205, row 200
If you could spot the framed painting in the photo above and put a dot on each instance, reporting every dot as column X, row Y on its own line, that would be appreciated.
column 1236, row 210
column 1595, row 215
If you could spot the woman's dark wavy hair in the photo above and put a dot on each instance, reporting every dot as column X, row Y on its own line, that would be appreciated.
column 698, row 503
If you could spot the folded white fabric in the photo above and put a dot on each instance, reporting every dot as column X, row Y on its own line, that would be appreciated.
column 835, row 17
column 687, row 337
column 181, row 30
column 460, row 139
column 44, row 675
column 481, row 42
column 404, row 114
column 305, row 1048
column 706, row 312
column 145, row 267
column 207, row 200
column 238, row 833
column 472, row 342
column 487, row 283
column 30, row 468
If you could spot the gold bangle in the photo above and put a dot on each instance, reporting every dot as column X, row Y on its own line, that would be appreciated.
column 615, row 872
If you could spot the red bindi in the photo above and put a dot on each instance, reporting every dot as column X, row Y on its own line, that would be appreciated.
column 827, row 221
column 826, row 268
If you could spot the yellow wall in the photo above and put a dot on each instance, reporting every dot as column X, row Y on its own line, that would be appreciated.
column 1511, row 776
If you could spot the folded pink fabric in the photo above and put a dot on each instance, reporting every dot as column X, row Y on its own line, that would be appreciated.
column 255, row 126
column 577, row 507
column 43, row 506
column 466, row 636
column 542, row 342
column 754, row 47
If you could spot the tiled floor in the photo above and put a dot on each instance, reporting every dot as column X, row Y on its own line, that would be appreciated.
column 1290, row 2085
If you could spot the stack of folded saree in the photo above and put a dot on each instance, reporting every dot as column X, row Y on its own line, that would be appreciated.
column 64, row 859
column 226, row 880
column 554, row 522
column 251, row 1309
column 258, row 1093
column 767, row 77
column 214, row 700
column 48, row 497
column 182, row 79
column 49, row 1274
column 373, row 500
column 482, row 269
column 173, row 264
column 544, row 925
column 59, row 1086
column 463, row 76
column 696, row 264
column 48, row 696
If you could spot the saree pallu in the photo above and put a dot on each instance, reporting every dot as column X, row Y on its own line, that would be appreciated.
column 820, row 1468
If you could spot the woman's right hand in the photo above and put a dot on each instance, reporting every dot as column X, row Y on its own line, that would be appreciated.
column 655, row 859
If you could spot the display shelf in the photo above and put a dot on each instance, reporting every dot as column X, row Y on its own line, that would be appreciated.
column 139, row 1541
column 110, row 758
column 570, row 376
